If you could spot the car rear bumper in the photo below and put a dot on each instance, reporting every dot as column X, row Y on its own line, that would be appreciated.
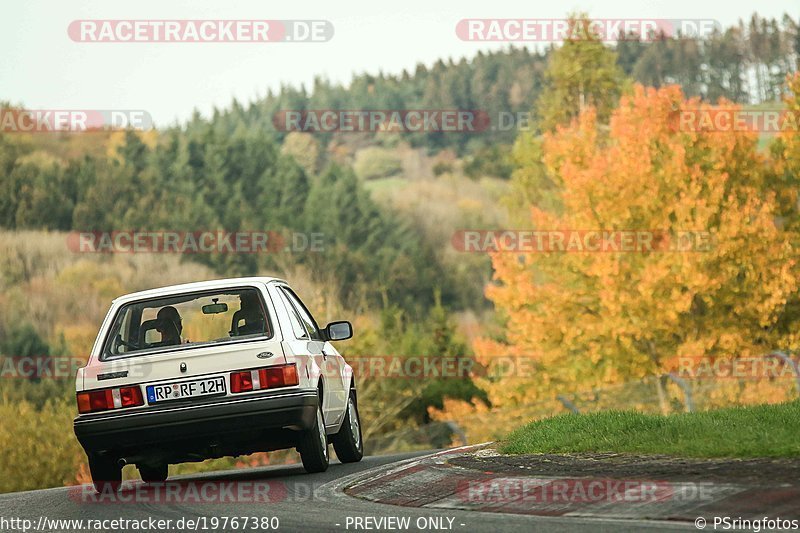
column 225, row 423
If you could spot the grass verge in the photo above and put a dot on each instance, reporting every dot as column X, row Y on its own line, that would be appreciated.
column 740, row 432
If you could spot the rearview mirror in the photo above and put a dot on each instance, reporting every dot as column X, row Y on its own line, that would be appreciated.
column 214, row 309
column 338, row 331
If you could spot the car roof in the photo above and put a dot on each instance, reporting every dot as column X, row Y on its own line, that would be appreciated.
column 195, row 286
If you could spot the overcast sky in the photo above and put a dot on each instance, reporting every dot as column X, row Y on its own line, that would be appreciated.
column 41, row 68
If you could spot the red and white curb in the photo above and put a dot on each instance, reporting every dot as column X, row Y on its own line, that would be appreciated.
column 431, row 482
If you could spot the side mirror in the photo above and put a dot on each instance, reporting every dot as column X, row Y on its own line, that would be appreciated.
column 338, row 331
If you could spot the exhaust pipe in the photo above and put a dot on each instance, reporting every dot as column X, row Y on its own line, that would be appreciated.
column 122, row 461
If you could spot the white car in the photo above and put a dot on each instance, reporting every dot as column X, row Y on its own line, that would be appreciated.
column 209, row 369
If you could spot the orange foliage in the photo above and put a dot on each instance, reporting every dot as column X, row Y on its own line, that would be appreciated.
column 593, row 319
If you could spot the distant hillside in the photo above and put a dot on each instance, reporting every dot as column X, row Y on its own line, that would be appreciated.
column 746, row 63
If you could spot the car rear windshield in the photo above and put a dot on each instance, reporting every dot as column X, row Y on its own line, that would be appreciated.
column 187, row 319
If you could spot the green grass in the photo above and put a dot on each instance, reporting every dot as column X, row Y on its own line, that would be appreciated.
column 744, row 432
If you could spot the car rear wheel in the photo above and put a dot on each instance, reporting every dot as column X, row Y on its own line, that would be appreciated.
column 106, row 474
column 347, row 442
column 154, row 474
column 313, row 446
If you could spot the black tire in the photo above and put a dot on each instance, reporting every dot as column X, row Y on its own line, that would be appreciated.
column 154, row 474
column 348, row 442
column 106, row 474
column 313, row 446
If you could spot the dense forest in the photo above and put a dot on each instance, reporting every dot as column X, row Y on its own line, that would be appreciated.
column 746, row 63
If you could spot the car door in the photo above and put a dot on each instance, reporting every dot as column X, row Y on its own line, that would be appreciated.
column 315, row 346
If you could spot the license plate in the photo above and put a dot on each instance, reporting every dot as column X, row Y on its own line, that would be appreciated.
column 185, row 389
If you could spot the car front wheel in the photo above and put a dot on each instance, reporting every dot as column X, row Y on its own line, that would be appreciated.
column 348, row 442
column 313, row 446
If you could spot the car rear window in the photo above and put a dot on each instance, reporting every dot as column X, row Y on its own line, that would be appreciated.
column 163, row 324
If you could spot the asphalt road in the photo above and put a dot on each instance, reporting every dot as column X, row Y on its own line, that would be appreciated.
column 299, row 502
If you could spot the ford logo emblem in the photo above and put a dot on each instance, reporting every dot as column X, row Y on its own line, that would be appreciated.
column 265, row 355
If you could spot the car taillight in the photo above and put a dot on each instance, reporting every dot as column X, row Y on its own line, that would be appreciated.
column 106, row 399
column 264, row 378
column 241, row 382
column 131, row 396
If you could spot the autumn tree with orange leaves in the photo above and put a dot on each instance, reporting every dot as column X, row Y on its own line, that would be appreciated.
column 592, row 319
